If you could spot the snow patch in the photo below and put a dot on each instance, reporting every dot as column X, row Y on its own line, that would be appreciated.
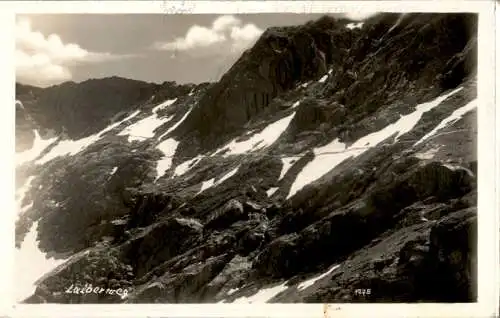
column 323, row 79
column 271, row 191
column 113, row 171
column 210, row 183
column 232, row 291
column 143, row 129
column 308, row 283
column 68, row 147
column 406, row 123
column 354, row 25
column 112, row 126
column 21, row 194
column 321, row 164
column 29, row 253
column 190, row 222
column 398, row 22
column 168, row 147
column 228, row 175
column 263, row 139
column 288, row 162
column 427, row 155
column 457, row 167
column 177, row 124
column 39, row 145
column 72, row 147
column 26, row 273
column 206, row 185
column 263, row 295
column 186, row 166
column 329, row 156
column 26, row 208
column 164, row 105
column 454, row 117
column 118, row 222
column 297, row 103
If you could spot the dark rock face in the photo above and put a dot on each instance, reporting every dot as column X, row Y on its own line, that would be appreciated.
column 149, row 207
column 231, row 276
column 411, row 267
column 230, row 213
column 81, row 197
column 396, row 222
column 452, row 256
column 313, row 113
column 160, row 243
column 181, row 286
column 281, row 58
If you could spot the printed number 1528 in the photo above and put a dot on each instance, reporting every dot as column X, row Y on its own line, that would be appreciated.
column 362, row 292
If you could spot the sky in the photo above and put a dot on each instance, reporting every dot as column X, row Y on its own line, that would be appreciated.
column 186, row 48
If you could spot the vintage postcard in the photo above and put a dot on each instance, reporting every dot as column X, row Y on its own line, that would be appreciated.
column 252, row 159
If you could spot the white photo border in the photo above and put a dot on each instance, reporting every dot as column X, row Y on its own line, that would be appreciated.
column 488, row 161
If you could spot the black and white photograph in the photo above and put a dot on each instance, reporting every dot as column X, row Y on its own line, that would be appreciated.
column 246, row 158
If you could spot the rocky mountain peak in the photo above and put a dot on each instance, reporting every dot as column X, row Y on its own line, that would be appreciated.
column 370, row 66
column 281, row 58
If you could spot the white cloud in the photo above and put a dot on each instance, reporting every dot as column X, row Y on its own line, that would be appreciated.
column 44, row 60
column 243, row 36
column 227, row 34
column 196, row 37
column 225, row 22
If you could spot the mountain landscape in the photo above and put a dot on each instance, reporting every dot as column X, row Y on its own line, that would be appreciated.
column 335, row 162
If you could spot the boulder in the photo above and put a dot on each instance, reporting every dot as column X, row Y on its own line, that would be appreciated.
column 148, row 207
column 231, row 212
column 161, row 242
column 232, row 276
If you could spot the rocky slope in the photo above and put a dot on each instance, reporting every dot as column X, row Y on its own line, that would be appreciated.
column 332, row 163
column 79, row 110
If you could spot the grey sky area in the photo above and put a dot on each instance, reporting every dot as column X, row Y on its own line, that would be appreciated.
column 51, row 49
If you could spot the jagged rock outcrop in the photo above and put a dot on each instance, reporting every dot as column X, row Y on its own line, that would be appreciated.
column 161, row 242
column 82, row 196
column 281, row 59
column 409, row 265
column 230, row 213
